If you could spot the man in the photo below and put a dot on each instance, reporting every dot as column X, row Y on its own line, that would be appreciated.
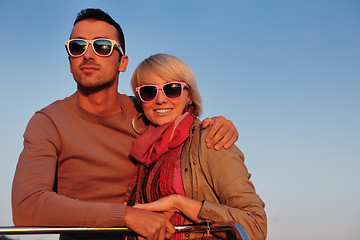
column 74, row 169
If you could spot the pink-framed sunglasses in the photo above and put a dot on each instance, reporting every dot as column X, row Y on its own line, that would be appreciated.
column 171, row 90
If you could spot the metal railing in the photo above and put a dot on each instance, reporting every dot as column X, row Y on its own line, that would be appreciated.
column 221, row 230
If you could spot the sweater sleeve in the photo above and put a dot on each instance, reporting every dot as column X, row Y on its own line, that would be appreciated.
column 34, row 201
column 238, row 202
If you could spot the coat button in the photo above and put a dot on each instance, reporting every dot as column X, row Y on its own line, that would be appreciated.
column 185, row 169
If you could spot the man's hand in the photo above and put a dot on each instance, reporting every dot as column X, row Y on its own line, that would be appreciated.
column 222, row 134
column 153, row 226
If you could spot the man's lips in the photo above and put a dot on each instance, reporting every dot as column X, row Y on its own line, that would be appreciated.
column 89, row 66
column 88, row 69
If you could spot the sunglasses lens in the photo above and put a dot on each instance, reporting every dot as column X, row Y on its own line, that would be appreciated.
column 148, row 93
column 173, row 90
column 77, row 47
column 102, row 47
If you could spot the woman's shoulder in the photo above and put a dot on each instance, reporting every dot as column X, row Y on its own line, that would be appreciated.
column 197, row 131
column 214, row 163
column 198, row 136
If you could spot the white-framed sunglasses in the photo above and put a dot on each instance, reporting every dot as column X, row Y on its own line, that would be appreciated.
column 101, row 46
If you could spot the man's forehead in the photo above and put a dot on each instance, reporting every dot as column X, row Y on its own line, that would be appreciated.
column 91, row 29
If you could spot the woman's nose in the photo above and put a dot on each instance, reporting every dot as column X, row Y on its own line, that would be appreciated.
column 161, row 98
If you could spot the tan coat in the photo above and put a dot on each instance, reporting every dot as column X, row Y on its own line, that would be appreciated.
column 220, row 179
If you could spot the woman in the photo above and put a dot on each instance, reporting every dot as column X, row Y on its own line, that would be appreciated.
column 196, row 182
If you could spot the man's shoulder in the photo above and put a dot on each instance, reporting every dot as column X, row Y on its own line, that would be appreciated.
column 49, row 115
column 58, row 105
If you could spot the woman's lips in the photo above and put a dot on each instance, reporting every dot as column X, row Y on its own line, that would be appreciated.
column 162, row 111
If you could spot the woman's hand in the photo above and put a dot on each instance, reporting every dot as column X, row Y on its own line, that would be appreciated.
column 166, row 204
column 174, row 203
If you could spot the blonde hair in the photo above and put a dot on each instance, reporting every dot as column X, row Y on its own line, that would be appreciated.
column 171, row 69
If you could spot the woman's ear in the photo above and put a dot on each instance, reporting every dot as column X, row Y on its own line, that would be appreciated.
column 187, row 105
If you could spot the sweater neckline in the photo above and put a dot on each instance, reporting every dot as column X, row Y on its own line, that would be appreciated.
column 100, row 119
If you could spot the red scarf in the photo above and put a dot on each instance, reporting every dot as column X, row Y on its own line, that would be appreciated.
column 157, row 151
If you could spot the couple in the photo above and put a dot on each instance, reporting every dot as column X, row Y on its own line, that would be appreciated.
column 74, row 169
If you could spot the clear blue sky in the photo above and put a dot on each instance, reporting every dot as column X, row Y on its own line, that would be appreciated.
column 287, row 73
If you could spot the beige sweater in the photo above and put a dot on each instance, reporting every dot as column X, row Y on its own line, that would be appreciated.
column 74, row 169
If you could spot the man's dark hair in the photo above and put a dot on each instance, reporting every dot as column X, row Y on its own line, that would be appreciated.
column 98, row 14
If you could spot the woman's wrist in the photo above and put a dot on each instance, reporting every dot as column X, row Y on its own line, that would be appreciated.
column 178, row 202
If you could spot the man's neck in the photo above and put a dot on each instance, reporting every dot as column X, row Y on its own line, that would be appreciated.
column 105, row 102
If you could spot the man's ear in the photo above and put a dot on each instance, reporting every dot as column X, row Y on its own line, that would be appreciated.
column 70, row 64
column 124, row 61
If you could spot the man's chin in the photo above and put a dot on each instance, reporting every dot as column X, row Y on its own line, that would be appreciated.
column 91, row 89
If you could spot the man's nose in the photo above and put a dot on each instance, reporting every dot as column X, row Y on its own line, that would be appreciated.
column 89, row 53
